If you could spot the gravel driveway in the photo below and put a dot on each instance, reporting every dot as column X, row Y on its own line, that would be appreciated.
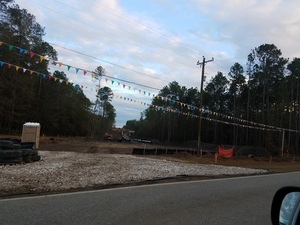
column 61, row 171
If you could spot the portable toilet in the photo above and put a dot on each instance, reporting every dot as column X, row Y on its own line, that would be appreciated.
column 31, row 133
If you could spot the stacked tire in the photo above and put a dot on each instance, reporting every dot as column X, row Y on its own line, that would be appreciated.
column 11, row 153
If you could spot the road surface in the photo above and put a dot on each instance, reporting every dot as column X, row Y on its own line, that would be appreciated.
column 244, row 200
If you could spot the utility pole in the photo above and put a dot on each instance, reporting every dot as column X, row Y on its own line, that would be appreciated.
column 201, row 99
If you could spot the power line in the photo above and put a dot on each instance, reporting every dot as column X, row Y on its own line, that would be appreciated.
column 113, row 12
column 105, row 61
column 118, row 37
column 152, row 30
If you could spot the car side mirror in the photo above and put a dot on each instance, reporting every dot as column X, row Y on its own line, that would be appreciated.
column 286, row 206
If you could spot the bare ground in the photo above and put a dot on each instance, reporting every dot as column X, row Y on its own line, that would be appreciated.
column 72, row 165
column 275, row 164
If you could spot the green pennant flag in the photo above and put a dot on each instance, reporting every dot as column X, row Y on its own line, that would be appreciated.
column 10, row 47
column 68, row 67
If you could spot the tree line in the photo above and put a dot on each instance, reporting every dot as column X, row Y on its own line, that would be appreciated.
column 266, row 92
column 60, row 107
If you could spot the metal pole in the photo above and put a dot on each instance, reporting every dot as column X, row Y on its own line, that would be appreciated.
column 282, row 143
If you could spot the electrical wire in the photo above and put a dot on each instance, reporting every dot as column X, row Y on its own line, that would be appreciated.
column 105, row 61
column 152, row 30
column 118, row 37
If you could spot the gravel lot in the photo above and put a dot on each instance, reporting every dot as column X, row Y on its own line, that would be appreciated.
column 62, row 171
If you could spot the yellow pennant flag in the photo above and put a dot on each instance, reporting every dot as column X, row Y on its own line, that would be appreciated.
column 1, row 43
column 93, row 75
column 17, row 68
column 31, row 72
column 41, row 58
column 59, row 64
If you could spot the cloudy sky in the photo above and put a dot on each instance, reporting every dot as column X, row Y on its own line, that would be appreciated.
column 145, row 45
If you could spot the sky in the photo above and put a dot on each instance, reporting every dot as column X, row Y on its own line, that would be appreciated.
column 145, row 45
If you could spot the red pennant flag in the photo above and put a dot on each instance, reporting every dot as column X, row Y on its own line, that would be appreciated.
column 31, row 54
column 123, row 85
column 9, row 65
column 84, row 72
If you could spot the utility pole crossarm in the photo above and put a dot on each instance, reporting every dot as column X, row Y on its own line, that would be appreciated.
column 204, row 62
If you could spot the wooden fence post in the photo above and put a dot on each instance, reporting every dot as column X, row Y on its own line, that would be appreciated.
column 216, row 157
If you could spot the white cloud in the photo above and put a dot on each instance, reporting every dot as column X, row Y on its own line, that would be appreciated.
column 163, row 39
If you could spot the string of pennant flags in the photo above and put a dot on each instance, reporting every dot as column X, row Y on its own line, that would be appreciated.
column 232, row 120
column 69, row 67
column 112, row 82
column 179, row 112
column 155, row 107
column 49, row 76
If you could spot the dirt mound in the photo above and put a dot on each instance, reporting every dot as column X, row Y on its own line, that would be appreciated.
column 104, row 147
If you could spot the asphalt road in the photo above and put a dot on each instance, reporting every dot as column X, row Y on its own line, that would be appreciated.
column 245, row 200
